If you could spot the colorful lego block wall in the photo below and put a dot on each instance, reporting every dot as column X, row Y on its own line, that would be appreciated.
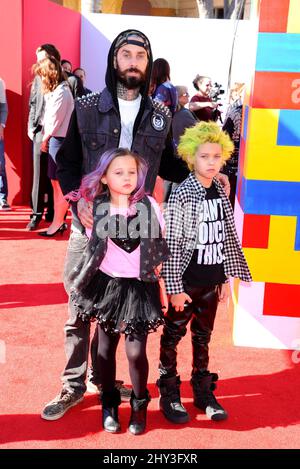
column 267, row 313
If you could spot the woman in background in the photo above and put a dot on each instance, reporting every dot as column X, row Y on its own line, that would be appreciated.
column 59, row 104
column 162, row 89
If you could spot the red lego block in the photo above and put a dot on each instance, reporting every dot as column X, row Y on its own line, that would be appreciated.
column 281, row 300
column 273, row 16
column 256, row 231
column 276, row 90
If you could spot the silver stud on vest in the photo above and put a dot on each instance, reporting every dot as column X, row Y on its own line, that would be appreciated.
column 88, row 101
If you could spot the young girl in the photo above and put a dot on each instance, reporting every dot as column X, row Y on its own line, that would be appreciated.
column 116, row 281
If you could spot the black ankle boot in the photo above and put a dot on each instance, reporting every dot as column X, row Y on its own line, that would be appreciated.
column 169, row 402
column 34, row 222
column 137, row 422
column 110, row 404
column 203, row 386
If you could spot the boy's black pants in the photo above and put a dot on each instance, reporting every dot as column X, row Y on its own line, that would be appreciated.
column 201, row 312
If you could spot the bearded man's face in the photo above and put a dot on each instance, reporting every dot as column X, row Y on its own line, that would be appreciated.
column 131, row 65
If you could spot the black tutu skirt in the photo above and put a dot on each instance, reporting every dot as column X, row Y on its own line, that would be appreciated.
column 120, row 305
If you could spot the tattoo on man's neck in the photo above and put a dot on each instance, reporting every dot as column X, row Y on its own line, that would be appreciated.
column 125, row 93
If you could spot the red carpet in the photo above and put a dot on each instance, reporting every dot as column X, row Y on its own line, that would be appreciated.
column 258, row 387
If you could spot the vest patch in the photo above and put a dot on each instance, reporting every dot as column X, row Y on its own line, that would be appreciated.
column 158, row 122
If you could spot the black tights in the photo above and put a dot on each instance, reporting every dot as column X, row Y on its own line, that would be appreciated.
column 135, row 346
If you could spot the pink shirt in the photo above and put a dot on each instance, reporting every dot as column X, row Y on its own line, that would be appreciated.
column 119, row 263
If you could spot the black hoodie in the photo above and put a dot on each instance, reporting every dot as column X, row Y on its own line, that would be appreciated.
column 111, row 75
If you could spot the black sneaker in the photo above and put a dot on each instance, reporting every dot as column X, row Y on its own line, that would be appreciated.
column 213, row 409
column 4, row 205
column 204, row 398
column 55, row 409
column 169, row 402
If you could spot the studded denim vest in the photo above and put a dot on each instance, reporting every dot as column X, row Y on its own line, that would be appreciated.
column 99, row 127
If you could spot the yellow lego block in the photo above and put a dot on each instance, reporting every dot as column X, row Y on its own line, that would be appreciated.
column 280, row 262
column 264, row 159
column 293, row 25
column 263, row 125
column 266, row 162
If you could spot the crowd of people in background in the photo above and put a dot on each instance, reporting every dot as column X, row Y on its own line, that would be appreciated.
column 101, row 153
column 185, row 112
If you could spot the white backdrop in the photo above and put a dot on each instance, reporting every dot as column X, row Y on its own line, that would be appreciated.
column 190, row 45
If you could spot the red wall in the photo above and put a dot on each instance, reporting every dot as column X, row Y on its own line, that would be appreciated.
column 25, row 24
column 11, row 72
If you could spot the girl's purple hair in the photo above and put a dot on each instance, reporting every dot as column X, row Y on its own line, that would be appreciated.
column 91, row 184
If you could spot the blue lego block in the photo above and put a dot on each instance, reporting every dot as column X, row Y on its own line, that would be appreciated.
column 278, row 52
column 272, row 198
column 289, row 128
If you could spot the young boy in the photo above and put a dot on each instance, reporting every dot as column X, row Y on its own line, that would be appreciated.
column 205, row 251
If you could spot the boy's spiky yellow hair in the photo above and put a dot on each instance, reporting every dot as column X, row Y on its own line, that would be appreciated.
column 204, row 132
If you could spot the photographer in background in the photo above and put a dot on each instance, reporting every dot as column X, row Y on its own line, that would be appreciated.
column 214, row 95
column 201, row 103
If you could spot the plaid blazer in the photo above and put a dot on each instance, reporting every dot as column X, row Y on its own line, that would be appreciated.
column 182, row 221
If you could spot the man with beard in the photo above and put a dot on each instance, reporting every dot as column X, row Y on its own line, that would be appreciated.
column 123, row 115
